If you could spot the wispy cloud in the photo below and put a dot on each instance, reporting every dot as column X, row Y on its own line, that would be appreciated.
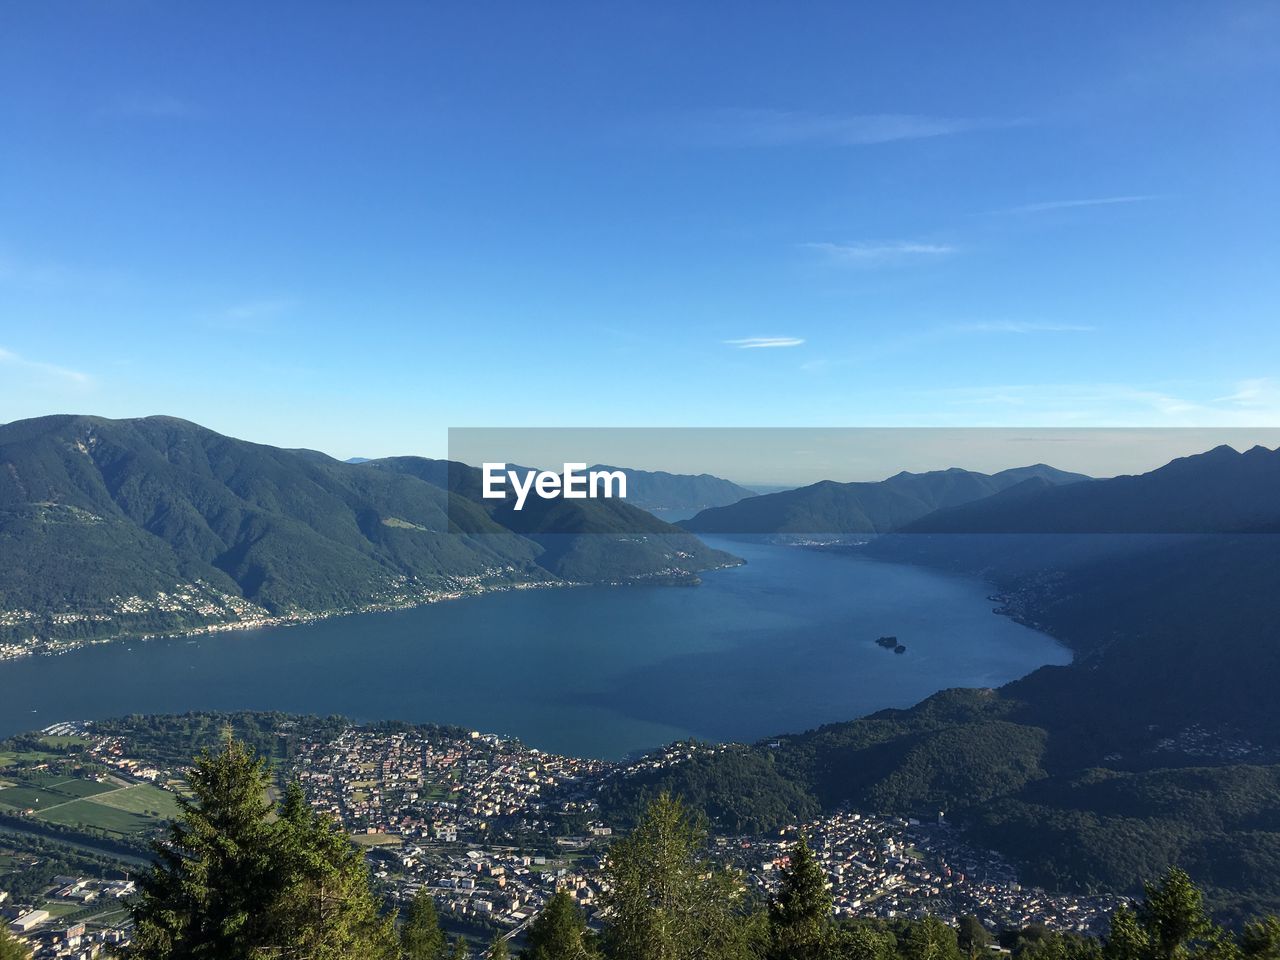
column 1252, row 403
column 1048, row 205
column 756, row 343
column 879, row 254
column 772, row 128
column 1089, row 400
column 11, row 359
column 1260, row 393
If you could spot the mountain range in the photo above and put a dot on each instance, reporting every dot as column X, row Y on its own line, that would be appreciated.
column 1220, row 491
column 654, row 491
column 664, row 494
column 121, row 527
column 1158, row 745
column 829, row 507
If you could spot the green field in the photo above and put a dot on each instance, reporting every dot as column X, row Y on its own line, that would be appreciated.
column 90, row 813
column 62, row 908
column 40, row 793
column 10, row 757
column 126, row 810
column 53, row 781
column 22, row 797
column 377, row 839
column 142, row 798
column 62, row 743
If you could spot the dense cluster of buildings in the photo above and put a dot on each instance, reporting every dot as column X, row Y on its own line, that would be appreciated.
column 493, row 828
column 468, row 817
column 891, row 867
column 53, row 932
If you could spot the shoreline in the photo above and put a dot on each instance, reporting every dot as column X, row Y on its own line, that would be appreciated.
column 510, row 611
column 54, row 648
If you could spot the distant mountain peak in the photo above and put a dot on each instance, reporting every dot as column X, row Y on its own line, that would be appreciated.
column 1218, row 491
column 830, row 507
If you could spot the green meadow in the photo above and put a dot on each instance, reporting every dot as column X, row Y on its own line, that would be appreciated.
column 125, row 810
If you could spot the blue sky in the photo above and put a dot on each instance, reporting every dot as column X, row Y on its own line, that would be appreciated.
column 350, row 227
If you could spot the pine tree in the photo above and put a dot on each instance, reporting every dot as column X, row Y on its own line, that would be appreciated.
column 972, row 937
column 460, row 950
column 1127, row 939
column 801, row 926
column 664, row 902
column 1218, row 944
column 1037, row 942
column 325, row 909
column 865, row 941
column 204, row 898
column 1171, row 924
column 1260, row 939
column 498, row 949
column 1173, row 915
column 421, row 937
column 559, row 932
column 11, row 949
column 231, row 883
column 931, row 939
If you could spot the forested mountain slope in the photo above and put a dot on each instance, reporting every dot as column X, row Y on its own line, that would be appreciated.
column 112, row 527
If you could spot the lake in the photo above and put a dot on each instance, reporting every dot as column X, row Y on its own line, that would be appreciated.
column 779, row 645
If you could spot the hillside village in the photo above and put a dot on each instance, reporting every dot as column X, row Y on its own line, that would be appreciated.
column 493, row 828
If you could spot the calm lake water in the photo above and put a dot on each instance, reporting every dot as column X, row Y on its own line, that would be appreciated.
column 779, row 645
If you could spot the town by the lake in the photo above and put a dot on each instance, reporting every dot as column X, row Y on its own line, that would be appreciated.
column 492, row 828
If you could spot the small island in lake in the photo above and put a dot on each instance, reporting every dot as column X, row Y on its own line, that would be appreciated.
column 891, row 643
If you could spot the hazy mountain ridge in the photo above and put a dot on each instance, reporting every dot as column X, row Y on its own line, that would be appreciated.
column 599, row 540
column 658, row 490
column 1220, row 491
column 866, row 507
